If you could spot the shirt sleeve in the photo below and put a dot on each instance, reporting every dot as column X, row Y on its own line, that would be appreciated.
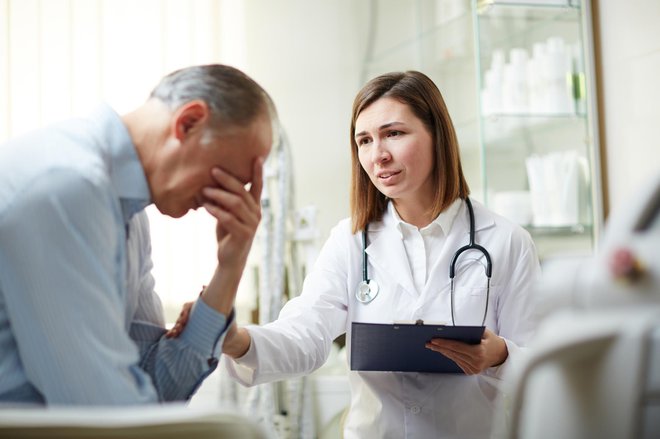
column 177, row 366
column 143, row 303
column 63, row 284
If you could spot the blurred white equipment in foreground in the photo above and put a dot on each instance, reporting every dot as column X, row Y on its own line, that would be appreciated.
column 169, row 421
column 593, row 370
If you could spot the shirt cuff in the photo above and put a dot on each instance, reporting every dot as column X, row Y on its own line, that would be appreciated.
column 205, row 329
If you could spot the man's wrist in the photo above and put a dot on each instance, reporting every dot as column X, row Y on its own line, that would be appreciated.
column 221, row 291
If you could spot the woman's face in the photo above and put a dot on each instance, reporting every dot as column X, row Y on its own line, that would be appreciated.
column 396, row 150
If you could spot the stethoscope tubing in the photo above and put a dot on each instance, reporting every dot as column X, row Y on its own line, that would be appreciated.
column 365, row 273
column 472, row 245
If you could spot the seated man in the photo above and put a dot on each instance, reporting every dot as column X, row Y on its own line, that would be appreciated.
column 77, row 323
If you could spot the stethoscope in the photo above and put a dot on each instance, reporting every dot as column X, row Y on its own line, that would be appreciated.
column 367, row 289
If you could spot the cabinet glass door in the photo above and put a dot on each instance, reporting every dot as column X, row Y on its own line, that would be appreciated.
column 517, row 78
column 537, row 143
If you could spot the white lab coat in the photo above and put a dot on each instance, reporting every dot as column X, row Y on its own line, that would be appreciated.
column 392, row 404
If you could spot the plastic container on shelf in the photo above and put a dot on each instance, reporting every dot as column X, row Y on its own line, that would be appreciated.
column 559, row 71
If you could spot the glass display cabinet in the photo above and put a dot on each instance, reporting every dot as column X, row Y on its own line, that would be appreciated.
column 538, row 124
column 518, row 79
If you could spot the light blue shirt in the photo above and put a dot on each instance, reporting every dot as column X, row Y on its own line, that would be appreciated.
column 79, row 321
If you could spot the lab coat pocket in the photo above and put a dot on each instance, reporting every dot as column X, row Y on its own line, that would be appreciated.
column 470, row 305
column 391, row 303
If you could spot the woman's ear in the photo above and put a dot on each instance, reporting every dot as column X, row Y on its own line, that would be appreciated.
column 190, row 118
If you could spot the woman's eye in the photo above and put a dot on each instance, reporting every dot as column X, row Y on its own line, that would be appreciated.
column 393, row 133
column 363, row 141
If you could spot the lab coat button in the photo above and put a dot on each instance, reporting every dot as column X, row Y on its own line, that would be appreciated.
column 414, row 409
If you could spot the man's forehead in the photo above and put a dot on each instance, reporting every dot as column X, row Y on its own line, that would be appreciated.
column 258, row 130
column 264, row 132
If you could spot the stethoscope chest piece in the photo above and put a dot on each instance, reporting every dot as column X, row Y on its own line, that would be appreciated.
column 366, row 291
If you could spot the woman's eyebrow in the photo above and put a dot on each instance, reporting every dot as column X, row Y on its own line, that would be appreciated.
column 380, row 128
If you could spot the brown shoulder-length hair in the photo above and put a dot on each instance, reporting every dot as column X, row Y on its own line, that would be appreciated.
column 421, row 95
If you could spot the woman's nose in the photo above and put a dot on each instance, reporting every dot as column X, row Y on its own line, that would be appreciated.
column 381, row 153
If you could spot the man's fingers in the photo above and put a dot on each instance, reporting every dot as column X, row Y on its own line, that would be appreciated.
column 232, row 203
column 227, row 181
column 231, row 185
column 229, row 225
column 257, row 180
column 232, row 197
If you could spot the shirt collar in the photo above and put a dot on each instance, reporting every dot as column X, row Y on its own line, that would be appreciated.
column 444, row 220
column 126, row 171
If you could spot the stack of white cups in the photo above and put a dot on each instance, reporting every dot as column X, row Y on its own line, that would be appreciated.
column 556, row 183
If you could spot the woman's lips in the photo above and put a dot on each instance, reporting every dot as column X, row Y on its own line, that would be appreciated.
column 387, row 176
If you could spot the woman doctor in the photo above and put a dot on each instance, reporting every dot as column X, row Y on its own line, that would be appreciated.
column 408, row 188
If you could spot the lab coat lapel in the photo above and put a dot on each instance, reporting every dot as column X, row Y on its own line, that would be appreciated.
column 458, row 236
column 483, row 219
column 388, row 255
column 439, row 275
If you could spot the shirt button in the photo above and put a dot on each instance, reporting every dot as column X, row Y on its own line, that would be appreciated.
column 414, row 409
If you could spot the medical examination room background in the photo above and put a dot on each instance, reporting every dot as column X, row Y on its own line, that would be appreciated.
column 60, row 58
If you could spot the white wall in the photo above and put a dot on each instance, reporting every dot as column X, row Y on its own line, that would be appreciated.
column 308, row 55
column 630, row 55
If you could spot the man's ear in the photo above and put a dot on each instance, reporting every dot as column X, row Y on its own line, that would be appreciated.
column 190, row 118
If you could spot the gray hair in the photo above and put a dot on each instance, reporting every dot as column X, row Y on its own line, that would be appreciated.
column 234, row 98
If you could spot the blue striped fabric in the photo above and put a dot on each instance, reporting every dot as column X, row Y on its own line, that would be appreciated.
column 79, row 321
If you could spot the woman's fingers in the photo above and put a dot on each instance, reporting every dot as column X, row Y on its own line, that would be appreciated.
column 181, row 321
column 470, row 358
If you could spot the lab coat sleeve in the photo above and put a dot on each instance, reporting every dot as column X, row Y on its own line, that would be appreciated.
column 516, row 307
column 299, row 341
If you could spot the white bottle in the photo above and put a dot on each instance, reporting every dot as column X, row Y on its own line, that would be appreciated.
column 487, row 95
column 537, row 79
column 519, row 85
column 559, row 97
column 508, row 105
column 491, row 97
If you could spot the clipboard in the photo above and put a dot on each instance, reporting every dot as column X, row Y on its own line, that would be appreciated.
column 401, row 347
